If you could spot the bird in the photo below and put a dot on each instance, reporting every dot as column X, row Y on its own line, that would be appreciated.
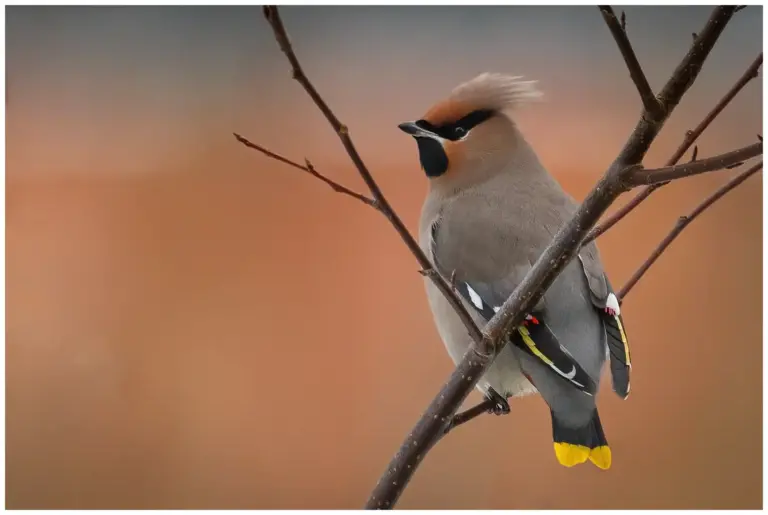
column 490, row 211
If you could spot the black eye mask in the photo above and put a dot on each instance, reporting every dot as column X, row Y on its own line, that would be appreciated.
column 455, row 131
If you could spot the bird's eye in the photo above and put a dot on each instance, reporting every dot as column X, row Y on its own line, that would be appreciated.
column 459, row 131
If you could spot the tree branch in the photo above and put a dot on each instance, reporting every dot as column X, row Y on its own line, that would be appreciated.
column 273, row 17
column 682, row 223
column 555, row 257
column 564, row 246
column 467, row 415
column 690, row 137
column 310, row 170
column 640, row 176
column 618, row 30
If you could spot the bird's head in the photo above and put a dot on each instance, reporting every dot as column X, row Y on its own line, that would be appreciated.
column 469, row 130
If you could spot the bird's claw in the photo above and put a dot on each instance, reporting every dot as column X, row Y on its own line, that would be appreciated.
column 500, row 406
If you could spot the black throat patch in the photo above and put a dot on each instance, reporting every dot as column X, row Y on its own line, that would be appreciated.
column 432, row 155
column 433, row 159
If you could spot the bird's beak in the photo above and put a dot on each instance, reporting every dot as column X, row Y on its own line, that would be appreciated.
column 409, row 128
column 414, row 130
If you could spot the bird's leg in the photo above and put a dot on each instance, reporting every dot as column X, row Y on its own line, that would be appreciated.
column 501, row 406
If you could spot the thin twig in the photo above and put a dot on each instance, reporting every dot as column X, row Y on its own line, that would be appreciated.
column 619, row 33
column 273, row 17
column 682, row 223
column 467, row 415
column 310, row 170
column 690, row 137
column 640, row 176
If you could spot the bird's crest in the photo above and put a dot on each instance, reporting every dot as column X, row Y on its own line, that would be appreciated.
column 492, row 91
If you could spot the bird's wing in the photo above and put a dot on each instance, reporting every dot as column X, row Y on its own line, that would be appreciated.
column 485, row 267
column 605, row 300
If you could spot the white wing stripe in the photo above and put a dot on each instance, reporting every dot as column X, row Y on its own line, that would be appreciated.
column 474, row 297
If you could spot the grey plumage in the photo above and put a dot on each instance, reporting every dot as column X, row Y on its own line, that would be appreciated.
column 489, row 214
column 491, row 234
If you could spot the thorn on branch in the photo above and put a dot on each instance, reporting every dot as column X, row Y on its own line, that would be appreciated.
column 760, row 138
column 428, row 272
column 623, row 21
column 307, row 167
column 694, row 35
column 695, row 153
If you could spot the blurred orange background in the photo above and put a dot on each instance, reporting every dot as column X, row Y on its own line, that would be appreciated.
column 193, row 325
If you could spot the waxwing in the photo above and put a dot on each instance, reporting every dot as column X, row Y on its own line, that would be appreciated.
column 490, row 211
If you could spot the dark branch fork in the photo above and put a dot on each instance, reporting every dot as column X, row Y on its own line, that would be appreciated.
column 623, row 174
column 690, row 138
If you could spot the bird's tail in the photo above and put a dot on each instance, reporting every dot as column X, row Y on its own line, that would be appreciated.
column 577, row 445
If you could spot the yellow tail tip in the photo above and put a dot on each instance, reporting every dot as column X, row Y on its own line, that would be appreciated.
column 569, row 454
column 601, row 457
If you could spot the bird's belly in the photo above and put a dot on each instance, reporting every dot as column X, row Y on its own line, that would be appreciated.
column 504, row 375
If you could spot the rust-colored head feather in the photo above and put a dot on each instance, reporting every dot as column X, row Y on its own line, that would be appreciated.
column 492, row 91
column 468, row 136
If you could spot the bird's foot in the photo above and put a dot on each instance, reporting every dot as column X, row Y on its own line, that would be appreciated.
column 500, row 404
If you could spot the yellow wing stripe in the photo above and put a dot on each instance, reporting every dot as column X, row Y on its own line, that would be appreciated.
column 529, row 343
column 623, row 339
